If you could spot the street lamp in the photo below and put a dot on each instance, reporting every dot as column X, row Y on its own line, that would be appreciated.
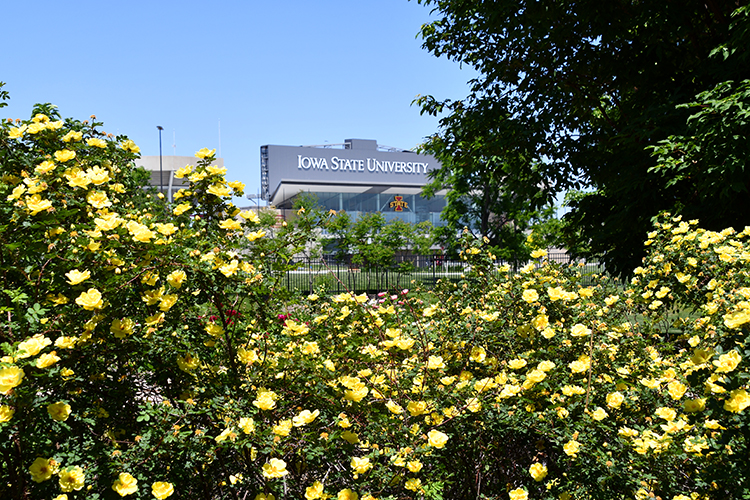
column 161, row 172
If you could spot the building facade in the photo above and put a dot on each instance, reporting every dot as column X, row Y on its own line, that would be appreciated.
column 162, row 170
column 357, row 176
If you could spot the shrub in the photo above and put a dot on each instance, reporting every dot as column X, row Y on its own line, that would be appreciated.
column 150, row 351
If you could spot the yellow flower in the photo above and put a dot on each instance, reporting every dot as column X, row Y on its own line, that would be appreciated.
column 36, row 204
column 571, row 448
column 230, row 224
column 188, row 363
column 579, row 330
column 736, row 319
column 97, row 175
column 305, row 417
column 265, row 400
column 315, row 491
column 71, row 478
column 227, row 433
column 204, row 153
column 435, row 363
column 580, row 365
column 10, row 377
column 727, row 362
column 478, row 354
column 255, row 235
column 75, row 276
column 176, row 278
column 275, row 468
column 140, row 232
column 17, row 132
column 129, row 145
column 96, row 142
column 90, row 300
column 247, row 424
column 73, row 135
column 59, row 411
column 6, row 413
column 250, row 216
column 694, row 405
column 42, row 469
column 413, row 484
column 615, row 399
column 32, row 346
column 162, row 489
column 599, row 414
column 219, row 190
column 283, row 428
column 667, row 414
column 45, row 167
column 530, row 295
column 47, row 360
column 181, row 208
column 416, row 408
column 64, row 155
column 347, row 494
column 518, row 494
column 436, row 438
column 538, row 471
column 517, row 364
column 361, row 464
column 676, row 389
column 738, row 400
column 125, row 484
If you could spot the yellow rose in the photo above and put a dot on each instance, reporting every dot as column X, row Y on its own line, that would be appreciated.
column 518, row 494
column 255, row 235
column 517, row 364
column 96, row 142
column 530, row 295
column 283, row 428
column 315, row 491
column 579, row 330
column 727, row 362
column 59, row 411
column 416, row 408
column 47, row 360
column 32, row 346
column 436, row 438
column 305, row 417
column 615, row 399
column 204, row 153
column 181, row 208
column 265, row 400
column 162, row 490
column 36, row 204
column 72, row 478
column 10, row 377
column 361, row 464
column 738, row 400
column 75, row 276
column 247, row 425
column 538, row 471
column 571, row 448
column 125, row 484
column 219, row 190
column 599, row 414
column 42, row 469
column 188, row 362
column 676, row 389
column 347, row 494
column 64, row 155
column 90, row 300
column 6, row 413
column 250, row 216
column 176, row 278
column 275, row 468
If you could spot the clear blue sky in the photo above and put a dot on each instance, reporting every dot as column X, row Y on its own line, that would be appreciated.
column 287, row 72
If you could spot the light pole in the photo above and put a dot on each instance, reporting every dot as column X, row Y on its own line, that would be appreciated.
column 161, row 172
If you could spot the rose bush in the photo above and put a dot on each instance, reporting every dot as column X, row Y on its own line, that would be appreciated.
column 151, row 351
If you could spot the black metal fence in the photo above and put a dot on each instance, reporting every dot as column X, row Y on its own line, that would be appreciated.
column 310, row 275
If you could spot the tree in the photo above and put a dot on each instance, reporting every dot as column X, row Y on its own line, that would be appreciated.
column 592, row 84
column 494, row 188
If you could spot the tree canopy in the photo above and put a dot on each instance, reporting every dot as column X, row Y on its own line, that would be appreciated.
column 589, row 88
